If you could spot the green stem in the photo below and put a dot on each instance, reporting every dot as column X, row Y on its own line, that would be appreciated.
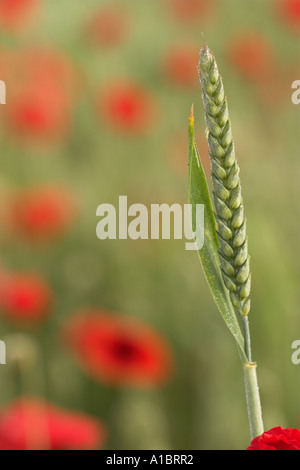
column 247, row 341
column 252, row 391
column 253, row 400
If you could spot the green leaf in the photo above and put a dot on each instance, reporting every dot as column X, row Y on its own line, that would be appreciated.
column 209, row 256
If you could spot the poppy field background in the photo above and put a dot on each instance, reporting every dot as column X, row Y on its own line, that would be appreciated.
column 117, row 344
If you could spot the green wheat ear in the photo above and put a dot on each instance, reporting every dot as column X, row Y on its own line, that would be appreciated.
column 228, row 202
column 224, row 255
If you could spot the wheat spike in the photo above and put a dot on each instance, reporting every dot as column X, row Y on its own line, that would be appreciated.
column 228, row 202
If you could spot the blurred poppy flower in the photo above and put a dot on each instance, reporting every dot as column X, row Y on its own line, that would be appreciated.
column 252, row 55
column 14, row 14
column 191, row 10
column 119, row 350
column 24, row 297
column 32, row 424
column 277, row 439
column 127, row 107
column 42, row 213
column 180, row 65
column 39, row 111
column 289, row 12
column 107, row 26
column 42, row 92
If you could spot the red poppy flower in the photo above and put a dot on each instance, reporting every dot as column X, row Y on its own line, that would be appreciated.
column 39, row 113
column 24, row 297
column 289, row 11
column 108, row 26
column 42, row 213
column 42, row 86
column 15, row 13
column 119, row 350
column 191, row 10
column 277, row 439
column 127, row 107
column 31, row 424
column 253, row 57
column 180, row 65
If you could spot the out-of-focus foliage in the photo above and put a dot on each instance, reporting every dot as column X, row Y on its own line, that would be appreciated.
column 98, row 98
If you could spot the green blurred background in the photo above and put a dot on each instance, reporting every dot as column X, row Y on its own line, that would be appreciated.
column 203, row 404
